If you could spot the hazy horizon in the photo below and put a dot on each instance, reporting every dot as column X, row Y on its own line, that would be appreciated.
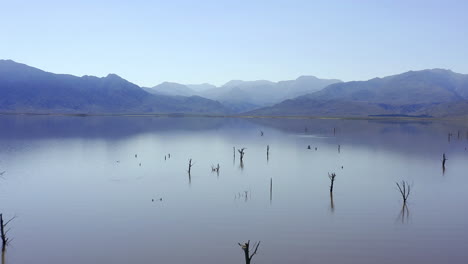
column 215, row 42
column 207, row 82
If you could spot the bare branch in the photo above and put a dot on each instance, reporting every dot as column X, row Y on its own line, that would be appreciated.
column 404, row 188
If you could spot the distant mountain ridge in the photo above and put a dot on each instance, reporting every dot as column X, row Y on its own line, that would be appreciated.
column 435, row 92
column 246, row 95
column 426, row 93
column 27, row 89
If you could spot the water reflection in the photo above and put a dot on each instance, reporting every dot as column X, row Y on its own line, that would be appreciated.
column 48, row 171
column 241, row 165
column 332, row 204
column 404, row 215
column 271, row 190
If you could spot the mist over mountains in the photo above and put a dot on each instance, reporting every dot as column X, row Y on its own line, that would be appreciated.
column 426, row 93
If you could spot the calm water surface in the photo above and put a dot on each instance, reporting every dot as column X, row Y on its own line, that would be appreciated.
column 80, row 195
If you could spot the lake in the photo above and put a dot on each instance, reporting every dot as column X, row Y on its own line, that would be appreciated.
column 80, row 195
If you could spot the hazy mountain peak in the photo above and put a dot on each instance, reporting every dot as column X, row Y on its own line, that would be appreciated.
column 306, row 77
column 233, row 83
column 172, row 88
column 201, row 87
column 114, row 76
column 170, row 85
column 8, row 61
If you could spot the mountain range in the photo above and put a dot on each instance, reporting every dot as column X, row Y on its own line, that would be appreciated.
column 242, row 96
column 425, row 93
column 27, row 89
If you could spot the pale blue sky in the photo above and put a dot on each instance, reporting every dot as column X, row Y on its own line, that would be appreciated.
column 148, row 42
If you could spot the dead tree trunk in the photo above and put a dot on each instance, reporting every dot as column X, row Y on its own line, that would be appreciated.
column 332, row 180
column 443, row 160
column 241, row 152
column 4, row 231
column 404, row 189
column 246, row 248
column 190, row 164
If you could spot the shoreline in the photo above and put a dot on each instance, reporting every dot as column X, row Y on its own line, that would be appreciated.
column 180, row 115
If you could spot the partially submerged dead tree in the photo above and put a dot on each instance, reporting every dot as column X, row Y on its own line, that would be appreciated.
column 215, row 169
column 190, row 164
column 444, row 159
column 246, row 248
column 332, row 180
column 241, row 152
column 4, row 231
column 404, row 189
